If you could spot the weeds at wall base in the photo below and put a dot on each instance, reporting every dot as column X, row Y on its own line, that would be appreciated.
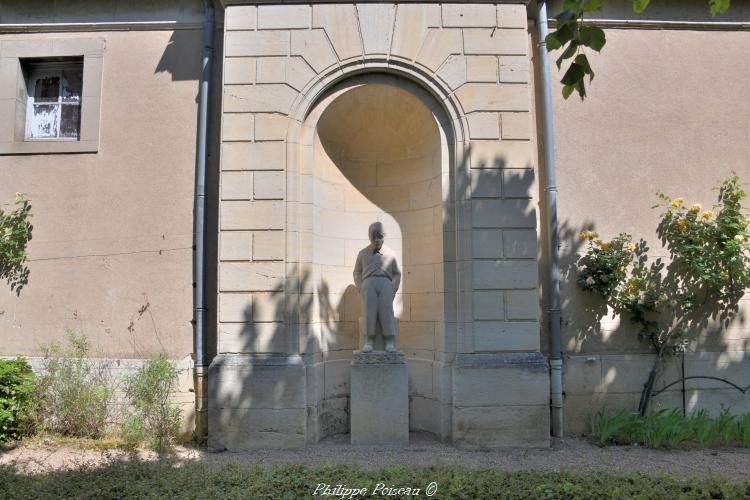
column 669, row 429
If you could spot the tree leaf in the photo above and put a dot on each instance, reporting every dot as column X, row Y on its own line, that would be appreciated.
column 552, row 42
column 592, row 37
column 584, row 62
column 640, row 5
column 719, row 6
column 567, row 90
column 568, row 53
column 573, row 75
column 591, row 5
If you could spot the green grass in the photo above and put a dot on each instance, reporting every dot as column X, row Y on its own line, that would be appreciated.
column 134, row 479
column 668, row 429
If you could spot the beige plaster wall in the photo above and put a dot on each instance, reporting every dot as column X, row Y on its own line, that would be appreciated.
column 111, row 249
column 668, row 110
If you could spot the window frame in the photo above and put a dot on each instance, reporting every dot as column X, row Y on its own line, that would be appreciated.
column 15, row 58
column 55, row 69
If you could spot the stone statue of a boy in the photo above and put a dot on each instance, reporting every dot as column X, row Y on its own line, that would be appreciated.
column 377, row 277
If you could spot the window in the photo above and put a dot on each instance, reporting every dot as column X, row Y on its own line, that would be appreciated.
column 54, row 99
column 50, row 95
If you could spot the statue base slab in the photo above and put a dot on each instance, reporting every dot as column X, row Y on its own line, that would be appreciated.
column 379, row 399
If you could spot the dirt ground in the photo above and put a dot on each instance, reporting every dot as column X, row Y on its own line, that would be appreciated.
column 569, row 454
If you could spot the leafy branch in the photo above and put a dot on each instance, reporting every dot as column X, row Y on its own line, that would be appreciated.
column 15, row 233
column 572, row 36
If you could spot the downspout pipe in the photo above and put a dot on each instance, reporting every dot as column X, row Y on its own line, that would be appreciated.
column 200, row 362
column 554, row 315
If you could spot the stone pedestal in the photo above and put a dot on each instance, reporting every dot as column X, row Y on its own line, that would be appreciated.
column 379, row 399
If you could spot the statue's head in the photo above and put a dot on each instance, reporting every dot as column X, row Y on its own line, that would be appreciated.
column 376, row 234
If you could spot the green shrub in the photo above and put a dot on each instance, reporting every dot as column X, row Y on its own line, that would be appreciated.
column 74, row 391
column 667, row 429
column 17, row 383
column 153, row 419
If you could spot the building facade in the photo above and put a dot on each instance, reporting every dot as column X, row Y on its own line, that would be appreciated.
column 322, row 118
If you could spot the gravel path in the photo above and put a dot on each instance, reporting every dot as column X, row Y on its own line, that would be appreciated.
column 572, row 454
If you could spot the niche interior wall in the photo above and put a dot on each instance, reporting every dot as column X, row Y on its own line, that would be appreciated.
column 418, row 115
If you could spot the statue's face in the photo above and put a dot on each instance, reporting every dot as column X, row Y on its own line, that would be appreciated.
column 377, row 240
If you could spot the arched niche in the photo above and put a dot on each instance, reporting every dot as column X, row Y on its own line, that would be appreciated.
column 374, row 147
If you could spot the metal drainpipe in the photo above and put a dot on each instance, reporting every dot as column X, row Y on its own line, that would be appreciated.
column 555, row 355
column 200, row 363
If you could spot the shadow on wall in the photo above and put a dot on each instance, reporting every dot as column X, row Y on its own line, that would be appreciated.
column 182, row 56
column 607, row 365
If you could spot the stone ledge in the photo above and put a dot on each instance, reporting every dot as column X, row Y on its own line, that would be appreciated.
column 378, row 358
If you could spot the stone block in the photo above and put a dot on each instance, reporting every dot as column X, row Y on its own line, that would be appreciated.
column 241, row 17
column 501, row 427
column 248, row 429
column 250, row 276
column 271, row 69
column 481, row 69
column 470, row 15
column 437, row 46
column 522, row 304
column 420, row 377
column 518, row 183
column 340, row 24
column 246, row 382
column 419, row 278
column 298, row 72
column 267, row 307
column 512, row 16
column 379, row 400
column 503, row 274
column 270, row 127
column 494, row 97
column 491, row 336
column 487, row 243
column 453, row 71
column 239, row 70
column 483, row 125
column 237, row 127
column 313, row 47
column 252, row 338
column 268, row 245
column 253, row 156
column 269, row 185
column 376, row 26
column 236, row 185
column 503, row 214
column 243, row 215
column 520, row 243
column 501, row 154
column 525, row 380
column 412, row 22
column 485, row 183
column 582, row 374
column 514, row 69
column 488, row 305
column 516, row 125
column 336, row 378
column 334, row 416
column 256, row 43
column 271, row 98
column 275, row 17
column 236, row 245
column 579, row 408
column 235, row 307
column 426, row 306
column 417, row 335
column 495, row 42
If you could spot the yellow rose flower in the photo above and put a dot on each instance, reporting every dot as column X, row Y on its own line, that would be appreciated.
column 18, row 196
column 707, row 214
column 590, row 280
column 631, row 247
column 696, row 208
column 738, row 237
column 678, row 201
column 682, row 225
